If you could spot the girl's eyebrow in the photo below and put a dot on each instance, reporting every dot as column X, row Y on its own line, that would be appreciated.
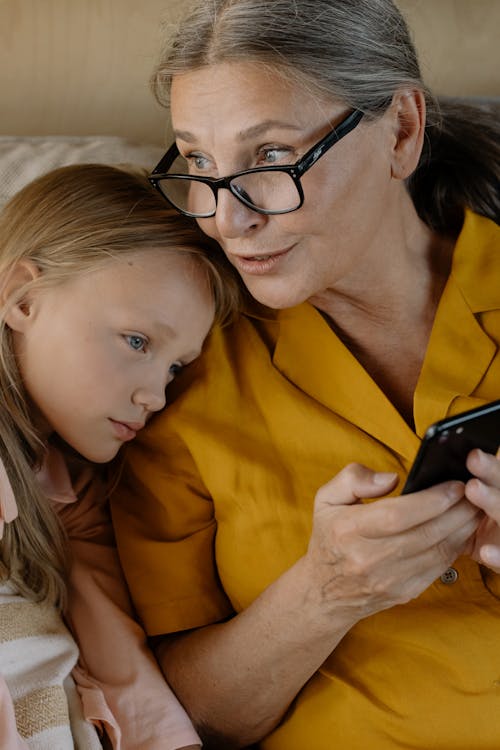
column 251, row 132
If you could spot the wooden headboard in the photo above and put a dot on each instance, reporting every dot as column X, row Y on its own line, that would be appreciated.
column 80, row 67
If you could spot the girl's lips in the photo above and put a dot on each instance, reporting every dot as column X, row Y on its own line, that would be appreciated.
column 260, row 263
column 123, row 431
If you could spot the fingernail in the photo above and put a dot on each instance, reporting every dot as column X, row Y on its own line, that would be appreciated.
column 455, row 490
column 490, row 555
column 479, row 487
column 384, row 477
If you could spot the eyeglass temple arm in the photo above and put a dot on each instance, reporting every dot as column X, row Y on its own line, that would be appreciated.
column 343, row 129
column 166, row 161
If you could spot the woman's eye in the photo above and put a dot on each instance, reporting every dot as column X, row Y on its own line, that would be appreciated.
column 175, row 369
column 137, row 343
column 197, row 162
column 275, row 154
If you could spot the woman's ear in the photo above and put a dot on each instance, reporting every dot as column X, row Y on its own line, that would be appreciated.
column 15, row 297
column 408, row 108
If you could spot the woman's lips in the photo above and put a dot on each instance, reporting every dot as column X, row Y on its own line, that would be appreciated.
column 260, row 263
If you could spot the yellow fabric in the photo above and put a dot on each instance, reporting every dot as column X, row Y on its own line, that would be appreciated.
column 272, row 411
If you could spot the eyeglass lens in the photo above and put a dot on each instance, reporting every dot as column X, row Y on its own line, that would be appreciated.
column 267, row 190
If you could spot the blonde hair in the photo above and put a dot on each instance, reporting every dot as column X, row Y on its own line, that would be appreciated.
column 358, row 52
column 68, row 222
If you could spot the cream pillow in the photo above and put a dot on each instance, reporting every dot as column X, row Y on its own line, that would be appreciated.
column 24, row 158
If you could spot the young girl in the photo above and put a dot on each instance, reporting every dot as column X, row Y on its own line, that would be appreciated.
column 105, row 294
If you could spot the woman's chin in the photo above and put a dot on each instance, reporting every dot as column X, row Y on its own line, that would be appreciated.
column 278, row 295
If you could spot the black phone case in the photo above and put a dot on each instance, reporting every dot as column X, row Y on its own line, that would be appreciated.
column 446, row 443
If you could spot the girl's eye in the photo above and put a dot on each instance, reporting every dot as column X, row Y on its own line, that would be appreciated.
column 175, row 369
column 137, row 343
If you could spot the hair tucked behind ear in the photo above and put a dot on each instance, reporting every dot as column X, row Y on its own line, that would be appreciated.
column 459, row 166
column 69, row 222
column 359, row 52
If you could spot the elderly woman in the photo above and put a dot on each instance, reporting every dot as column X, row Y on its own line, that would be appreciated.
column 288, row 607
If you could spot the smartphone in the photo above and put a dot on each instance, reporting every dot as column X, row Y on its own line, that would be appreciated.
column 446, row 444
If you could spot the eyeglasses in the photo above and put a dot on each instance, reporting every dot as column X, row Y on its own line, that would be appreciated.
column 267, row 190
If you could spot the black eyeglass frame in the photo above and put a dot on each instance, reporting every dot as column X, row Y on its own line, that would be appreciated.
column 295, row 171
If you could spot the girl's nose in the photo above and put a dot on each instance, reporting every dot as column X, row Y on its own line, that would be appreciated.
column 151, row 399
column 233, row 219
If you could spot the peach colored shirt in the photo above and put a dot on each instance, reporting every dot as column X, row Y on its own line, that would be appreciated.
column 121, row 687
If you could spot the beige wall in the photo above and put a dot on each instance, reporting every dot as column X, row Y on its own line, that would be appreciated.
column 458, row 43
column 81, row 66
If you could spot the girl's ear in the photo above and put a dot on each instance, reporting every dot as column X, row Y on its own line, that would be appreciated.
column 409, row 124
column 17, row 313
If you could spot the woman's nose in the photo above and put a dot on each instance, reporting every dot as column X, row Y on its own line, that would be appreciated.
column 234, row 219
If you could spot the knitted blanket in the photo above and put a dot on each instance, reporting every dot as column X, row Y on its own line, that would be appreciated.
column 37, row 654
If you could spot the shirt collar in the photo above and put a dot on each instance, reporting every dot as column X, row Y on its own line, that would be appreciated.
column 53, row 477
column 476, row 264
column 8, row 505
column 458, row 354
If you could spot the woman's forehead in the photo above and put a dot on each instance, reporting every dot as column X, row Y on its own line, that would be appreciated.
column 243, row 95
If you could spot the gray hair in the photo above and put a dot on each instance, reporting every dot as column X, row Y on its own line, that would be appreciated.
column 358, row 52
column 350, row 50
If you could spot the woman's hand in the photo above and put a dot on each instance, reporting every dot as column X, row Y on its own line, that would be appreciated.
column 361, row 558
column 364, row 558
column 484, row 492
